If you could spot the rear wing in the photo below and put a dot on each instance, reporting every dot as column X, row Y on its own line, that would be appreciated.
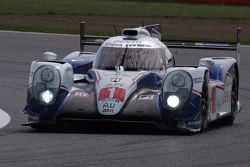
column 89, row 39
column 183, row 44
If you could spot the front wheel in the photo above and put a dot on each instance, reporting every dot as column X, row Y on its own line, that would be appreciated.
column 48, row 127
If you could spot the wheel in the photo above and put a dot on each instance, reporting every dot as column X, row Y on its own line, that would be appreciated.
column 38, row 127
column 204, row 104
column 229, row 120
column 48, row 127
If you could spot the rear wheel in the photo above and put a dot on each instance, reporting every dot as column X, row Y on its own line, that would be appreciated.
column 229, row 120
column 204, row 105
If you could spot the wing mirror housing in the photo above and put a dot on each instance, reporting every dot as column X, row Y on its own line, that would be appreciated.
column 206, row 62
column 49, row 56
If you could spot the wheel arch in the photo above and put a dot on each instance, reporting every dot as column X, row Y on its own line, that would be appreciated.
column 236, row 68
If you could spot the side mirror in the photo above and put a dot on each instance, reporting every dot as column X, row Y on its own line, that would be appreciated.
column 206, row 62
column 48, row 56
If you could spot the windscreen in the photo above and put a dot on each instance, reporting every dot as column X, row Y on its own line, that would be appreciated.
column 134, row 59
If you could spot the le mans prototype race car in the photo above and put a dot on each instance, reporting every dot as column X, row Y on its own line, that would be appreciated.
column 133, row 78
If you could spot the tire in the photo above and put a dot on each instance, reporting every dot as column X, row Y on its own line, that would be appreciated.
column 37, row 127
column 48, row 127
column 204, row 105
column 229, row 120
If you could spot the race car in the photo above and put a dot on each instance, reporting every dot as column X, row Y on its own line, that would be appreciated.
column 133, row 78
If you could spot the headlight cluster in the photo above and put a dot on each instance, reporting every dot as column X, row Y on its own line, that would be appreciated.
column 46, row 82
column 177, row 89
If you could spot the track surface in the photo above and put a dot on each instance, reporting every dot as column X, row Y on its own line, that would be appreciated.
column 110, row 145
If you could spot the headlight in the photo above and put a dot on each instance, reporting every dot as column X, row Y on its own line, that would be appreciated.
column 46, row 97
column 47, row 75
column 178, row 80
column 173, row 101
column 177, row 89
column 46, row 83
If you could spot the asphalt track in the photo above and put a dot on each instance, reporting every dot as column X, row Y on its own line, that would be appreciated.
column 110, row 145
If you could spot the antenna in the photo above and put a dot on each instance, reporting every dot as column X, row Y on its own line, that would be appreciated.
column 82, row 36
column 115, row 29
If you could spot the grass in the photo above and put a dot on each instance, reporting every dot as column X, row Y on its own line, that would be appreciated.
column 121, row 8
column 179, row 21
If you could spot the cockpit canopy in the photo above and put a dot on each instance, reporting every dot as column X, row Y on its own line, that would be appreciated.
column 132, row 59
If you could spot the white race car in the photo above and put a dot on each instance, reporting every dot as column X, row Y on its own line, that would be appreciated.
column 133, row 78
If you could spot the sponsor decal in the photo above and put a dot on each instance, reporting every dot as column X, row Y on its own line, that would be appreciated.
column 108, row 107
column 128, row 41
column 146, row 97
column 193, row 123
column 112, row 93
column 198, row 80
column 139, row 45
column 81, row 94
column 113, row 45
column 107, row 110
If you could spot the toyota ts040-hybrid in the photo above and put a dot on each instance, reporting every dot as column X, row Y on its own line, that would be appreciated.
column 133, row 78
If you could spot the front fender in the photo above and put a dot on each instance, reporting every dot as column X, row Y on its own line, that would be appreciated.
column 191, row 109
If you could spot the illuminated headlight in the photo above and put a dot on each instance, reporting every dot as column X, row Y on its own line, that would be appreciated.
column 47, row 97
column 173, row 101
column 46, row 83
column 177, row 89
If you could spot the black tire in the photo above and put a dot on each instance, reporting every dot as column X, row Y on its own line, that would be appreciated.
column 204, row 105
column 229, row 120
column 48, row 127
column 37, row 127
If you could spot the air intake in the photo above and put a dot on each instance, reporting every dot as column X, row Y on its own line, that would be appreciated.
column 135, row 33
column 130, row 32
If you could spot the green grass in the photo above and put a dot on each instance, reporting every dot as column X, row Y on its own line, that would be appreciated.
column 57, row 14
column 121, row 8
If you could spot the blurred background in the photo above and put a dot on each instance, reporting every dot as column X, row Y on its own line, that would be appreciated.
column 180, row 19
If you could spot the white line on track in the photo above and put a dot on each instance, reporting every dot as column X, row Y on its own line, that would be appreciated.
column 4, row 119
